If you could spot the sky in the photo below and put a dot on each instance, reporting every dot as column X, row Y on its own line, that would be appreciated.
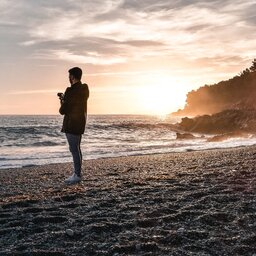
column 138, row 57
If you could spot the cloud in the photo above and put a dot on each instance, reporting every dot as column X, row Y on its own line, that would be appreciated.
column 162, row 5
column 123, row 43
column 120, row 31
column 89, row 58
column 28, row 43
column 24, row 92
column 127, row 73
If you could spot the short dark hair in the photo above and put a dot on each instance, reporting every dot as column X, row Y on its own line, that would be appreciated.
column 76, row 72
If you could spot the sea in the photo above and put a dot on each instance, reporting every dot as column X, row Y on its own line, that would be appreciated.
column 37, row 140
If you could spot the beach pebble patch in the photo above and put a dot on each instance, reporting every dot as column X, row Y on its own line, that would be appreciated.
column 69, row 232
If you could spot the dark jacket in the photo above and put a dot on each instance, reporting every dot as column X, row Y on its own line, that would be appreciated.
column 74, row 108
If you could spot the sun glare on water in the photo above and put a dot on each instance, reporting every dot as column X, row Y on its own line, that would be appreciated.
column 161, row 98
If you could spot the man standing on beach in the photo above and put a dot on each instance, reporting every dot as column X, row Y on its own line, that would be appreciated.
column 74, row 108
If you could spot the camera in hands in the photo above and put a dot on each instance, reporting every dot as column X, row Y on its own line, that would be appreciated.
column 60, row 95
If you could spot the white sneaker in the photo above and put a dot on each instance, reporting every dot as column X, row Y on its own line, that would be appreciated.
column 73, row 179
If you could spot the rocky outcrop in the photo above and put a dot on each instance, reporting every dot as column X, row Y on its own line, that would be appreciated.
column 186, row 136
column 226, row 136
column 232, row 120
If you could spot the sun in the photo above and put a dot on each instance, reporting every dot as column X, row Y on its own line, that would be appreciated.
column 161, row 97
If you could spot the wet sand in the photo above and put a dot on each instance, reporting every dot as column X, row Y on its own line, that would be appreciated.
column 193, row 203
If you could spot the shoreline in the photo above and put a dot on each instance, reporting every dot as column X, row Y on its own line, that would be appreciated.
column 188, row 203
column 142, row 154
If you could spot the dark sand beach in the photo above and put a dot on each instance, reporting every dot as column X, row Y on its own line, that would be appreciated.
column 193, row 203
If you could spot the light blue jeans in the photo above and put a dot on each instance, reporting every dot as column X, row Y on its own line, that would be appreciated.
column 74, row 142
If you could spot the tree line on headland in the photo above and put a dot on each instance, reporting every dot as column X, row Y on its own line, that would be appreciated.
column 228, row 106
column 237, row 92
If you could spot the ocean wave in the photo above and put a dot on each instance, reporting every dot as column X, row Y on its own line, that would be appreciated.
column 28, row 165
column 29, row 144
column 30, row 130
column 133, row 126
column 18, row 158
column 41, row 142
column 45, row 144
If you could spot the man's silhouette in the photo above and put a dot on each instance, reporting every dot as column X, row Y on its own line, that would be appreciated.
column 74, row 109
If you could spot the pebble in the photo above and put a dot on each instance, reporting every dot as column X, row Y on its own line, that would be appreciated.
column 138, row 247
column 70, row 232
column 180, row 230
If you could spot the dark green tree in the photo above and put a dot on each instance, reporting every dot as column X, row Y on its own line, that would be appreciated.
column 253, row 66
column 238, row 92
